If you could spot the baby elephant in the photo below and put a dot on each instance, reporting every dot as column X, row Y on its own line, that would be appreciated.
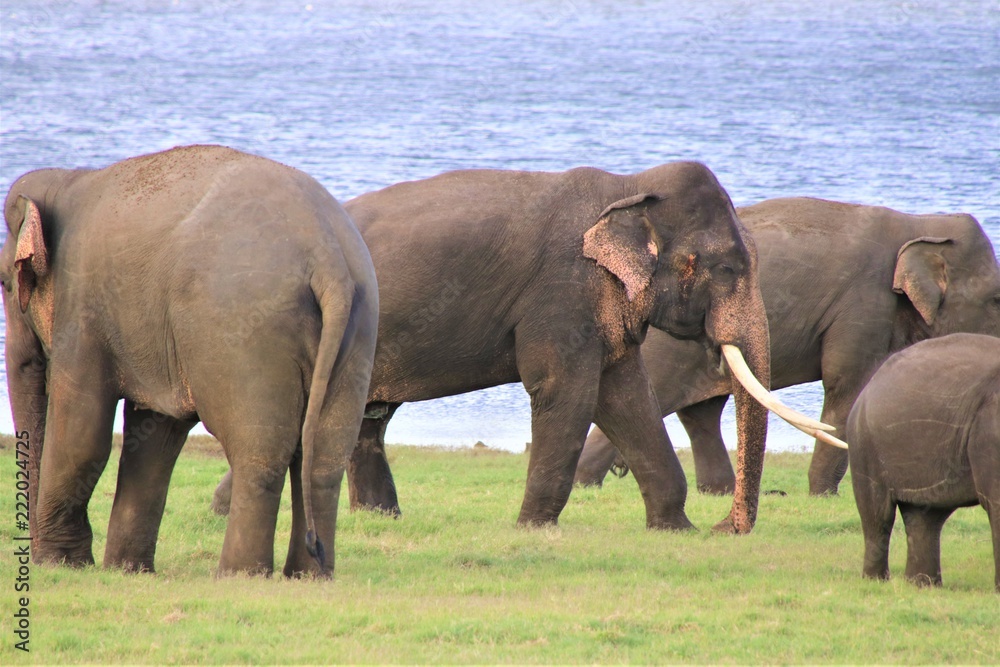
column 925, row 436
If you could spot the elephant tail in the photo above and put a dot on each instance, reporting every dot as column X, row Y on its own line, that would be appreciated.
column 336, row 305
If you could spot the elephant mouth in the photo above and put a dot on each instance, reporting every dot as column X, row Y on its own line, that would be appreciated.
column 686, row 329
column 742, row 373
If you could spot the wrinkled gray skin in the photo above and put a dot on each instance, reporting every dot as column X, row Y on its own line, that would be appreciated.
column 489, row 277
column 197, row 284
column 925, row 437
column 844, row 286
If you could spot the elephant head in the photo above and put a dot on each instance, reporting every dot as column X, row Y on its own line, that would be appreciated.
column 952, row 282
column 28, row 295
column 688, row 266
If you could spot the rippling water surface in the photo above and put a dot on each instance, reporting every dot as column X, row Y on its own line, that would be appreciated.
column 891, row 103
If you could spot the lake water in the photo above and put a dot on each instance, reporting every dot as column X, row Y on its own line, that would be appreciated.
column 891, row 103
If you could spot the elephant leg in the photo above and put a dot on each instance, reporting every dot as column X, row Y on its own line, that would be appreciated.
column 370, row 482
column 152, row 442
column 326, row 495
column 223, row 494
column 984, row 459
column 249, row 543
column 596, row 459
column 259, row 451
column 829, row 464
column 923, row 542
column 342, row 418
column 713, row 469
column 77, row 445
column 878, row 514
column 993, row 512
column 850, row 355
column 627, row 411
column 563, row 395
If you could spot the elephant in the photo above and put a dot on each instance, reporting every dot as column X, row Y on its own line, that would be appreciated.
column 552, row 279
column 925, row 437
column 198, row 283
column 844, row 286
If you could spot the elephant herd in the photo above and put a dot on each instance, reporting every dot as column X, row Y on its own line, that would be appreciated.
column 206, row 284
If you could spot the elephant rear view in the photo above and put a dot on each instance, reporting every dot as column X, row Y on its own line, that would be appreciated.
column 925, row 437
column 199, row 283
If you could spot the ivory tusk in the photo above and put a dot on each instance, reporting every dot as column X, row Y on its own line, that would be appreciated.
column 742, row 372
column 829, row 439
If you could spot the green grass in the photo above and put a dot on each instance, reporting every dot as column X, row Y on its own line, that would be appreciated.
column 455, row 581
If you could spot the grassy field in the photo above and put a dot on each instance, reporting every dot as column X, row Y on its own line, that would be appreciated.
column 455, row 581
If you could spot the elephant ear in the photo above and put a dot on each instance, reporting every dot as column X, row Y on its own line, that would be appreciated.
column 32, row 259
column 922, row 275
column 621, row 241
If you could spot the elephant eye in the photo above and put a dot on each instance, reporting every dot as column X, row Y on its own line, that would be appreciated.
column 724, row 271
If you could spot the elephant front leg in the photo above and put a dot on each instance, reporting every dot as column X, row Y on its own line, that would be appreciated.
column 563, row 390
column 77, row 445
column 370, row 482
column 850, row 355
column 627, row 411
column 713, row 469
column 152, row 441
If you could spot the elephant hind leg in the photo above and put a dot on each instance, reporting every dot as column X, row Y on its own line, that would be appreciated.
column 338, row 430
column 993, row 511
column 259, row 454
column 152, row 441
column 984, row 459
column 923, row 542
column 878, row 515
column 713, row 469
column 326, row 488
column 370, row 482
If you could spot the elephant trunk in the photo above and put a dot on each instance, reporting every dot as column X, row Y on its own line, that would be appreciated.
column 26, row 367
column 737, row 322
column 744, row 334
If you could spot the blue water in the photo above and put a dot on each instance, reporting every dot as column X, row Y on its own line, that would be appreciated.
column 892, row 103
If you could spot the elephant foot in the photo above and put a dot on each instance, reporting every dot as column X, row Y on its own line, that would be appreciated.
column 390, row 510
column 73, row 556
column 676, row 522
column 130, row 566
column 256, row 571
column 717, row 488
column 823, row 490
column 537, row 522
column 728, row 527
column 924, row 580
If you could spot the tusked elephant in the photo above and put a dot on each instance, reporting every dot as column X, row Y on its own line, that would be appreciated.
column 925, row 437
column 488, row 277
column 200, row 283
column 844, row 286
